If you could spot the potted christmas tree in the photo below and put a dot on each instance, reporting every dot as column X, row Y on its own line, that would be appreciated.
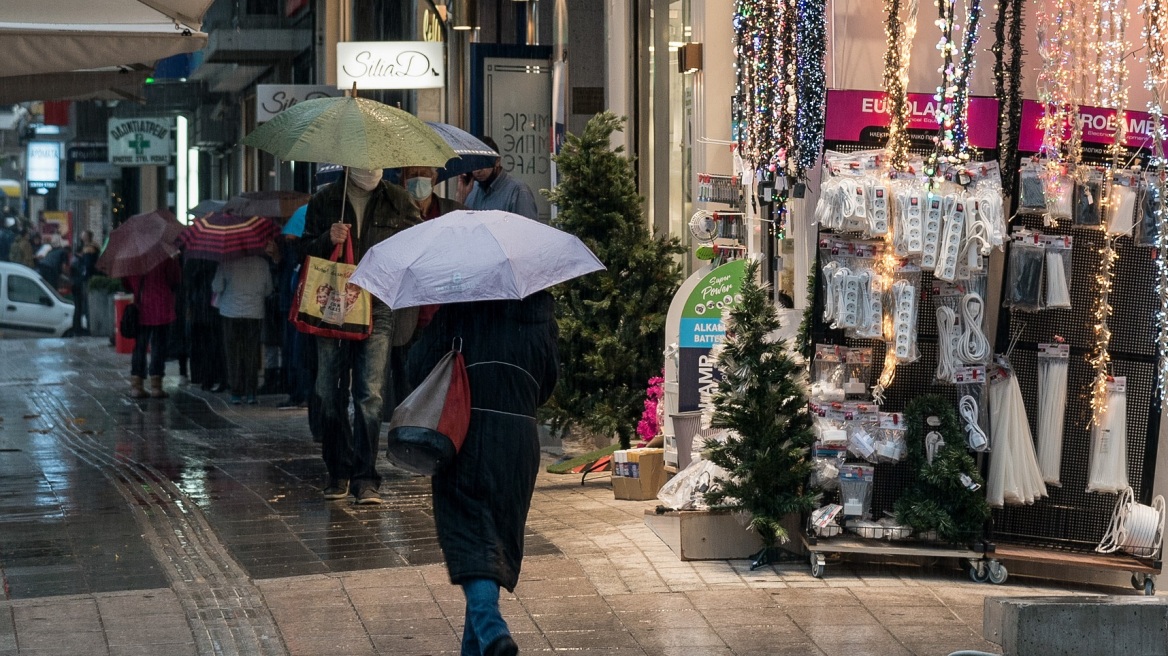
column 612, row 323
column 761, row 399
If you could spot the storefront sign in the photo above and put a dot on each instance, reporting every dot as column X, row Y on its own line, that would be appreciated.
column 390, row 65
column 853, row 114
column 1098, row 127
column 517, row 113
column 271, row 99
column 701, row 329
column 44, row 164
column 140, row 141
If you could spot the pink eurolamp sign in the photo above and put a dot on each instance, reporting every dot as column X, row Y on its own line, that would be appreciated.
column 1098, row 127
column 849, row 113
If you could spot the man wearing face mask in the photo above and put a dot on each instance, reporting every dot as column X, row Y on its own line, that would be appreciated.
column 495, row 190
column 373, row 211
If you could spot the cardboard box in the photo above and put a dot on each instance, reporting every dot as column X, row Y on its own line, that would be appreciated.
column 644, row 471
column 703, row 534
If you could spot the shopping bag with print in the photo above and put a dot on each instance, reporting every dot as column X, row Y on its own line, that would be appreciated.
column 326, row 303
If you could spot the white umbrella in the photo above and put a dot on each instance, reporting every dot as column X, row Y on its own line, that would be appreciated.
column 471, row 256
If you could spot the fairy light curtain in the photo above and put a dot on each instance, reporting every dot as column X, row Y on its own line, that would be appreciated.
column 1155, row 37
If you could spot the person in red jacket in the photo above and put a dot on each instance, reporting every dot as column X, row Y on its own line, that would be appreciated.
column 154, row 295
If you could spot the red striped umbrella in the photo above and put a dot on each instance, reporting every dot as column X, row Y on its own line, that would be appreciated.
column 141, row 243
column 220, row 236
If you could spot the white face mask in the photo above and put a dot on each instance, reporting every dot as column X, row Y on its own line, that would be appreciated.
column 365, row 178
column 419, row 188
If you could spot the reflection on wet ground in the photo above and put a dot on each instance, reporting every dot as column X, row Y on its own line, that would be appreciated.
column 99, row 492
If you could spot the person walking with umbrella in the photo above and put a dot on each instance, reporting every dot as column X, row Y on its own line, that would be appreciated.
column 154, row 294
column 494, row 189
column 366, row 210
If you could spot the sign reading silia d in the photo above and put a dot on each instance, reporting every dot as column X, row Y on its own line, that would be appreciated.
column 140, row 141
column 390, row 65
column 271, row 99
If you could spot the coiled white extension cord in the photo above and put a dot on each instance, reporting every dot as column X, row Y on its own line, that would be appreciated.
column 948, row 337
column 973, row 347
column 975, row 437
column 1052, row 408
column 1135, row 528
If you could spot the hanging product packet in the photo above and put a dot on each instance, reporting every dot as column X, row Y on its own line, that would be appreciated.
column 890, row 438
column 1088, row 198
column 972, row 406
column 827, row 419
column 947, row 301
column 903, row 302
column 1150, row 207
column 862, row 423
column 1122, row 197
column 1024, row 276
column 858, row 370
column 1058, row 270
column 827, row 459
column 856, row 488
column 1058, row 191
column 829, row 372
column 1107, row 465
column 1053, row 369
column 1031, row 191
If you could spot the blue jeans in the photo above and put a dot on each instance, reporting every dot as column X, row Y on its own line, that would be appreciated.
column 484, row 623
column 351, row 451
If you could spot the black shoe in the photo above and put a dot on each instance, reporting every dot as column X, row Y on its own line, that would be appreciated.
column 368, row 496
column 502, row 646
column 337, row 488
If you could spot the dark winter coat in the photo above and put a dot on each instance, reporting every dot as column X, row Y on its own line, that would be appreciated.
column 481, row 501
column 197, row 277
column 389, row 211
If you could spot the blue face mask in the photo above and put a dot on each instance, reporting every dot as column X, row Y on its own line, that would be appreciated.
column 419, row 188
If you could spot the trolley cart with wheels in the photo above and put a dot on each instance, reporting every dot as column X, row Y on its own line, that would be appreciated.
column 818, row 548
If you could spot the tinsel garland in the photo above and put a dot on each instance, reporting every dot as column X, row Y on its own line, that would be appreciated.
column 951, row 145
column 1155, row 34
column 1008, row 53
column 811, row 84
column 897, row 54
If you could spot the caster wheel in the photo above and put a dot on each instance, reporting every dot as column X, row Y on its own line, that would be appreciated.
column 997, row 573
column 1137, row 581
column 1150, row 586
column 978, row 571
column 817, row 565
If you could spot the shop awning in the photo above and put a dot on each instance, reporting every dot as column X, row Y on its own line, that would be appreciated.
column 114, row 83
column 56, row 36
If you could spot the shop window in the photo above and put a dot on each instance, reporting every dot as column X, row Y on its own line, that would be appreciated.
column 25, row 290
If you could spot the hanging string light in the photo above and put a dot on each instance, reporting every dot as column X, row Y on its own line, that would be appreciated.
column 1008, row 54
column 1100, row 358
column 811, row 83
column 765, row 60
column 784, row 157
column 1056, row 25
column 951, row 145
column 1111, row 81
column 1155, row 35
column 900, row 34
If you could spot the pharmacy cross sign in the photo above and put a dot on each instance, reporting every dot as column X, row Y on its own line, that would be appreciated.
column 139, row 145
column 141, row 141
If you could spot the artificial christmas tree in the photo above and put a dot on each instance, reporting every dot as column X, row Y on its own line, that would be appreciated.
column 612, row 323
column 762, row 400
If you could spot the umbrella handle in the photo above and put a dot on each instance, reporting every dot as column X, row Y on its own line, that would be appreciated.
column 348, row 246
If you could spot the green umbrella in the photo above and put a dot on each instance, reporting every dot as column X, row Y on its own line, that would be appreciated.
column 352, row 132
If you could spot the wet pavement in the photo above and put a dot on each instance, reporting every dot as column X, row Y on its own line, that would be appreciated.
column 190, row 526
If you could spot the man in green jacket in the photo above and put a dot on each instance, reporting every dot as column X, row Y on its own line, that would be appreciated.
column 374, row 210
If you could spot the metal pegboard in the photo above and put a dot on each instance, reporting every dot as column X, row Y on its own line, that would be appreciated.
column 1070, row 517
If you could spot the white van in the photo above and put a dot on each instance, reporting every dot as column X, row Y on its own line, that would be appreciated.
column 29, row 306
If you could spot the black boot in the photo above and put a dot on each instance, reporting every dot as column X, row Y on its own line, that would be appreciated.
column 271, row 382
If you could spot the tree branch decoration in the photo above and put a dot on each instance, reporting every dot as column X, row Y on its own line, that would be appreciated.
column 940, row 499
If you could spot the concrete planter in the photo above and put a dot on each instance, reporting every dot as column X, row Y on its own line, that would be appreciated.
column 101, row 313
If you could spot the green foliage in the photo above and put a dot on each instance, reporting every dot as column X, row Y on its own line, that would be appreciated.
column 105, row 284
column 762, row 399
column 612, row 323
column 938, row 500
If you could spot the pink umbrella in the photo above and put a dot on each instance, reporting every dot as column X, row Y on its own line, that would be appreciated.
column 141, row 243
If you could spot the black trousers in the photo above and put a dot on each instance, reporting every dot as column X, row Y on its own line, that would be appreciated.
column 152, row 338
column 241, row 342
column 207, row 358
